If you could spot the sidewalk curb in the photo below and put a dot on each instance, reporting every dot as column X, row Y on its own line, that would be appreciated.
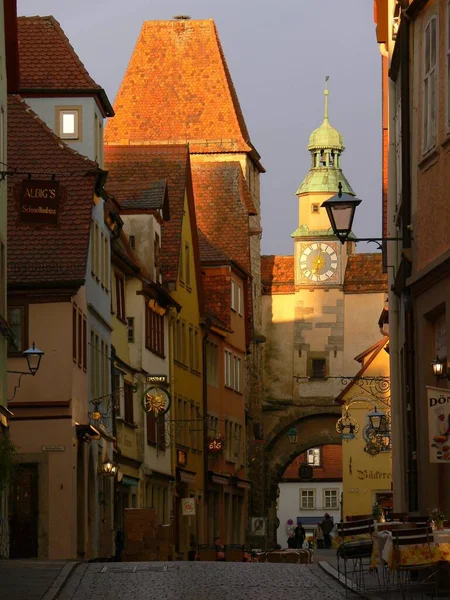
column 345, row 582
column 53, row 591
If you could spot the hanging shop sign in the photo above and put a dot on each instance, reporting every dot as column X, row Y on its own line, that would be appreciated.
column 156, row 399
column 157, row 379
column 347, row 426
column 258, row 526
column 438, row 402
column 216, row 445
column 39, row 201
column 188, row 506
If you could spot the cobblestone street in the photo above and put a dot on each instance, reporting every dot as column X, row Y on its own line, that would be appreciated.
column 200, row 581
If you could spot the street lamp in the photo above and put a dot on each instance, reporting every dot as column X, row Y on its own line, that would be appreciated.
column 341, row 212
column 292, row 435
column 376, row 418
column 33, row 356
column 109, row 467
column 438, row 366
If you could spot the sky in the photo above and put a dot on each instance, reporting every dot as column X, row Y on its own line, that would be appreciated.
column 278, row 52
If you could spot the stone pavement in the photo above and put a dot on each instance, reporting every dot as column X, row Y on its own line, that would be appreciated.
column 32, row 579
column 200, row 581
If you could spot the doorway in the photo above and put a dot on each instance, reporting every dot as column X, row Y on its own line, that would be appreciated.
column 24, row 512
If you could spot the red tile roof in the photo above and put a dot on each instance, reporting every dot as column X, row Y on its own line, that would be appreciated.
column 178, row 88
column 217, row 291
column 364, row 274
column 48, row 61
column 209, row 253
column 222, row 211
column 46, row 254
column 277, row 274
column 133, row 169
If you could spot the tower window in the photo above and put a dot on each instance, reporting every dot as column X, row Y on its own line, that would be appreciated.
column 314, row 208
column 318, row 368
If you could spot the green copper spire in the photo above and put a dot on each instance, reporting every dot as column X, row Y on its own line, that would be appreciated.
column 326, row 146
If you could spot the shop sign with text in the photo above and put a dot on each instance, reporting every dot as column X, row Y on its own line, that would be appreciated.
column 188, row 506
column 39, row 201
column 438, row 403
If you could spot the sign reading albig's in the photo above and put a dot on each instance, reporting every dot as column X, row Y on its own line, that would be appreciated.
column 39, row 201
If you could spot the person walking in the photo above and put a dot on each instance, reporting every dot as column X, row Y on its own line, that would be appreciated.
column 292, row 542
column 327, row 526
column 300, row 535
column 318, row 536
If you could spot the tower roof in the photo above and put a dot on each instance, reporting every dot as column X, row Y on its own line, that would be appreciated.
column 177, row 88
column 326, row 137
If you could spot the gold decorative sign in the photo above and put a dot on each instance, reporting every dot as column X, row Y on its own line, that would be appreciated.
column 39, row 201
column 157, row 379
column 215, row 445
column 156, row 399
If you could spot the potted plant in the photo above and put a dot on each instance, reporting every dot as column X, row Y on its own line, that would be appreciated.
column 377, row 512
column 438, row 518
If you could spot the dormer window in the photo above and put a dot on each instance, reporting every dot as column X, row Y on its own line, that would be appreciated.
column 68, row 120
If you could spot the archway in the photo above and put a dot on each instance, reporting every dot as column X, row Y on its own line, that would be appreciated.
column 313, row 429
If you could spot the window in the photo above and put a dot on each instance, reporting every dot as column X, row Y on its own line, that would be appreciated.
column 330, row 499
column 228, row 374
column 132, row 241
column 237, row 374
column 156, row 431
column 318, row 368
column 191, row 347
column 157, row 257
column 183, row 343
column 196, row 350
column 154, row 332
column 187, row 260
column 151, row 428
column 120, row 297
column 314, row 208
column 239, row 299
column 69, row 123
column 105, row 260
column 130, row 328
column 430, row 85
column 314, row 457
column 233, row 295
column 18, row 324
column 128, row 402
column 307, row 499
column 212, row 363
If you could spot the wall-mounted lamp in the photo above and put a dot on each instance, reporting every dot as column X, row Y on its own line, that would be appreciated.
column 438, row 368
column 292, row 436
column 109, row 468
column 34, row 357
column 376, row 418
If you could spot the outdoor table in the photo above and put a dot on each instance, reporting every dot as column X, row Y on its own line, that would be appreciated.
column 337, row 541
column 411, row 554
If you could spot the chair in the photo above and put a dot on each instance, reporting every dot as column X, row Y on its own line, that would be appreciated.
column 393, row 526
column 207, row 552
column 358, row 518
column 354, row 551
column 424, row 560
column 420, row 521
column 234, row 553
column 273, row 557
column 290, row 557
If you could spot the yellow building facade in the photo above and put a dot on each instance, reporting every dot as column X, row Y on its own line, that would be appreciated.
column 366, row 473
column 186, row 383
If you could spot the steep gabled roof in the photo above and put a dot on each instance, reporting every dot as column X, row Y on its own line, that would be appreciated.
column 47, row 255
column 133, row 169
column 155, row 197
column 364, row 274
column 48, row 62
column 178, row 88
column 209, row 253
column 277, row 274
column 222, row 210
column 366, row 358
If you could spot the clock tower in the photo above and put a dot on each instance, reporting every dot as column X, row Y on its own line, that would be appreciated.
column 319, row 257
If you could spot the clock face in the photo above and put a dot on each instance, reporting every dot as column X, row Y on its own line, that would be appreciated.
column 318, row 261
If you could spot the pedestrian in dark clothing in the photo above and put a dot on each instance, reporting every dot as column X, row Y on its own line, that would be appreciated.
column 327, row 526
column 292, row 542
column 300, row 535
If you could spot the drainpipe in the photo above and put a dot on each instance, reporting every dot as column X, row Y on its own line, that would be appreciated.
column 206, row 330
column 398, row 462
